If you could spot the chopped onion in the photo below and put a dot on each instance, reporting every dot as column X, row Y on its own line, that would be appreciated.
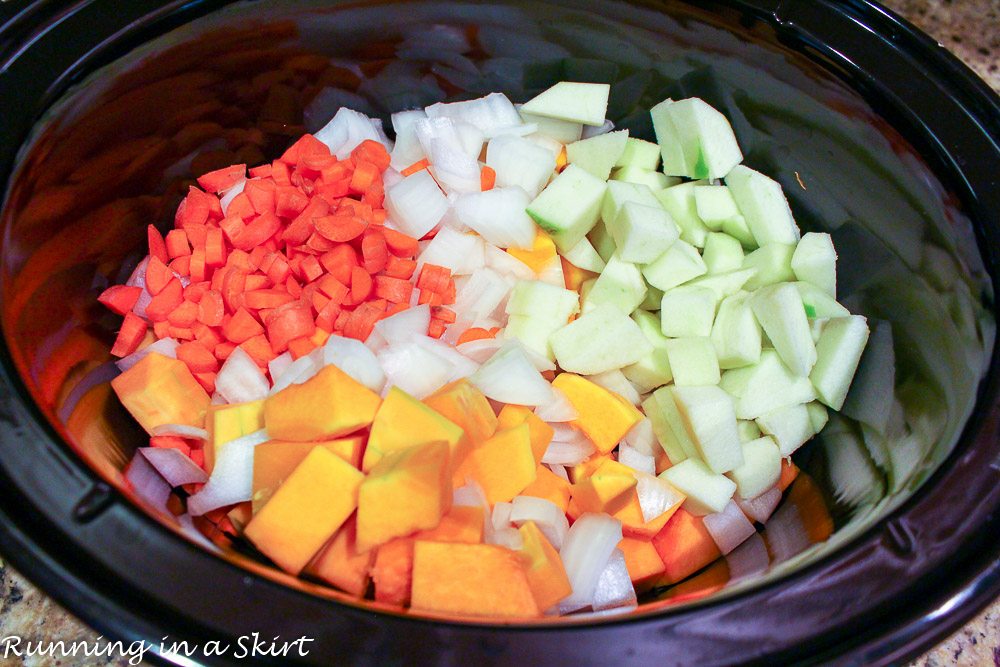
column 656, row 496
column 506, row 537
column 786, row 534
column 568, row 447
column 454, row 331
column 240, row 380
column 501, row 515
column 485, row 291
column 415, row 369
column 296, row 372
column 218, row 399
column 462, row 366
column 614, row 586
column 552, row 273
column 402, row 327
column 472, row 139
column 416, row 204
column 729, row 528
column 230, row 194
column 558, row 410
column 277, row 366
column 519, row 161
column 449, row 153
column 192, row 533
column 390, row 177
column 549, row 518
column 558, row 470
column 480, row 350
column 462, row 253
column 231, row 480
column 615, row 381
column 595, row 130
column 181, row 431
column 490, row 114
column 749, row 559
column 636, row 460
column 586, row 552
column 641, row 438
column 165, row 346
column 510, row 377
column 346, row 130
column 470, row 494
column 761, row 508
column 499, row 216
column 138, row 279
column 354, row 358
column 407, row 149
column 147, row 483
column 175, row 466
column 507, row 265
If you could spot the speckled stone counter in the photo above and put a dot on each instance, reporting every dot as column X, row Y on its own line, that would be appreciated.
column 968, row 28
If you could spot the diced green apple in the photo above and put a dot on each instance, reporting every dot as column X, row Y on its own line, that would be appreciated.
column 696, row 140
column 602, row 340
column 619, row 192
column 782, row 316
column 679, row 202
column 818, row 415
column 790, row 427
column 598, row 154
column 585, row 103
column 815, row 262
column 819, row 304
column 838, row 353
column 679, row 264
column 707, row 492
column 715, row 205
column 747, row 429
column 563, row 131
column 537, row 310
column 654, row 180
column 655, row 407
column 653, row 370
column 640, row 154
column 687, row 311
column 736, row 333
column 569, row 206
column 654, row 296
column 693, row 361
column 762, row 203
column 773, row 263
column 602, row 241
column 722, row 252
column 765, row 386
column 761, row 468
column 584, row 256
column 710, row 420
column 724, row 284
column 642, row 233
column 620, row 285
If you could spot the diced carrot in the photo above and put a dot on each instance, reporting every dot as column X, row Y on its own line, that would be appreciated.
column 339, row 228
column 130, row 335
column 206, row 335
column 266, row 298
column 289, row 201
column 356, row 208
column 261, row 196
column 436, row 329
column 327, row 317
column 487, row 178
column 396, row 308
column 374, row 196
column 257, row 256
column 448, row 296
column 184, row 315
column 197, row 357
column 196, row 267
column 161, row 329
column 364, row 175
column 232, row 226
column 393, row 290
column 361, row 321
column 259, row 350
column 233, row 287
column 361, row 284
column 293, row 287
column 239, row 259
column 397, row 267
column 157, row 246
column 256, row 281
column 419, row 165
column 195, row 290
column 261, row 171
column 474, row 333
column 169, row 298
column 158, row 274
column 446, row 315
column 215, row 247
column 374, row 152
column 181, row 265
column 429, row 297
column 400, row 244
column 222, row 179
column 305, row 145
column 278, row 272
column 177, row 243
column 302, row 226
column 339, row 262
column 170, row 442
column 288, row 322
column 196, row 235
column 241, row 207
column 334, row 190
column 258, row 231
column 241, row 327
column 281, row 174
column 374, row 251
column 198, row 456
column 223, row 350
column 333, row 288
column 311, row 268
column 206, row 380
column 300, row 347
column 180, row 333
column 120, row 298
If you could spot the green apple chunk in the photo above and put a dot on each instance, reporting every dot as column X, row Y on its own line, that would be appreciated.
column 643, row 233
column 761, row 468
column 819, row 304
column 765, row 386
column 620, row 285
column 707, row 492
column 537, row 310
column 602, row 241
column 653, row 298
column 679, row 202
column 782, row 316
column 584, row 256
column 640, row 154
column 602, row 340
column 563, row 131
column 790, row 427
column 815, row 262
column 679, row 264
column 654, row 180
column 763, row 205
column 838, row 353
column 696, row 140
column 653, row 370
column 687, row 311
column 747, row 429
column 724, row 284
column 598, row 154
column 715, row 205
column 585, row 103
column 569, row 206
column 722, row 253
column 818, row 415
column 710, row 420
column 620, row 192
column 736, row 333
column 693, row 361
column 661, row 410
column 773, row 264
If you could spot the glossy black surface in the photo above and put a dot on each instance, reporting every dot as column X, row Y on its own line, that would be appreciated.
column 900, row 572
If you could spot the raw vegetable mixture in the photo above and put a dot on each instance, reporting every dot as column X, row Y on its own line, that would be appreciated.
column 504, row 367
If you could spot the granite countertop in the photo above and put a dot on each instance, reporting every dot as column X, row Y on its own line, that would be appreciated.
column 968, row 28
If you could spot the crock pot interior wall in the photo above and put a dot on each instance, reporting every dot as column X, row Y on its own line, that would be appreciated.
column 118, row 151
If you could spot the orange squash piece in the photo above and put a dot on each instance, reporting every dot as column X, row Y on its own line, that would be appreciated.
column 274, row 461
column 306, row 510
column 685, row 546
column 159, row 390
column 586, row 468
column 466, row 406
column 402, row 421
column 607, row 490
column 549, row 486
column 328, row 405
column 541, row 433
column 604, row 416
column 543, row 251
column 226, row 423
column 543, row 567
column 340, row 564
column 642, row 561
column 470, row 580
column 503, row 465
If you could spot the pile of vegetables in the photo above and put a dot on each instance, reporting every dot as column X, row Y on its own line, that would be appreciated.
column 504, row 366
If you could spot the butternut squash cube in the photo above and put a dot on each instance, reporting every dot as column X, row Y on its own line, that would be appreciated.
column 466, row 406
column 470, row 580
column 643, row 563
column 633, row 523
column 685, row 546
column 549, row 486
column 402, row 421
column 541, row 254
column 607, row 490
column 328, row 405
column 226, row 423
column 604, row 416
column 586, row 468
column 541, row 433
column 503, row 465
column 340, row 564
column 159, row 390
column 305, row 511
column 408, row 490
column 275, row 460
column 543, row 567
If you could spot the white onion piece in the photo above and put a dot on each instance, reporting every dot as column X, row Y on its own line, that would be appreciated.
column 469, row 494
column 416, row 204
column 480, row 350
column 509, row 538
column 539, row 361
column 355, row 359
column 499, row 216
column 614, row 586
column 786, row 534
column 218, row 399
column 462, row 366
column 509, row 377
column 641, row 438
column 656, row 496
column 559, row 410
column 761, row 508
column 147, row 483
column 165, row 346
column 231, row 480
column 296, row 372
column 558, row 470
column 552, row 273
column 240, row 379
column 461, row 253
column 415, row 369
column 568, row 447
column 521, row 130
column 390, row 177
column 380, row 134
column 346, row 130
column 501, row 515
column 615, row 381
column 519, row 161
column 407, row 149
column 452, row 163
column 485, row 291
column 191, row 532
column 230, row 194
column 748, row 560
column 507, row 265
column 277, row 366
column 551, row 520
column 729, row 528
column 595, row 130
column 586, row 552
column 138, row 279
column 472, row 140
column 181, row 431
column 636, row 460
column 454, row 331
column 175, row 467
column 402, row 327
column 490, row 114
